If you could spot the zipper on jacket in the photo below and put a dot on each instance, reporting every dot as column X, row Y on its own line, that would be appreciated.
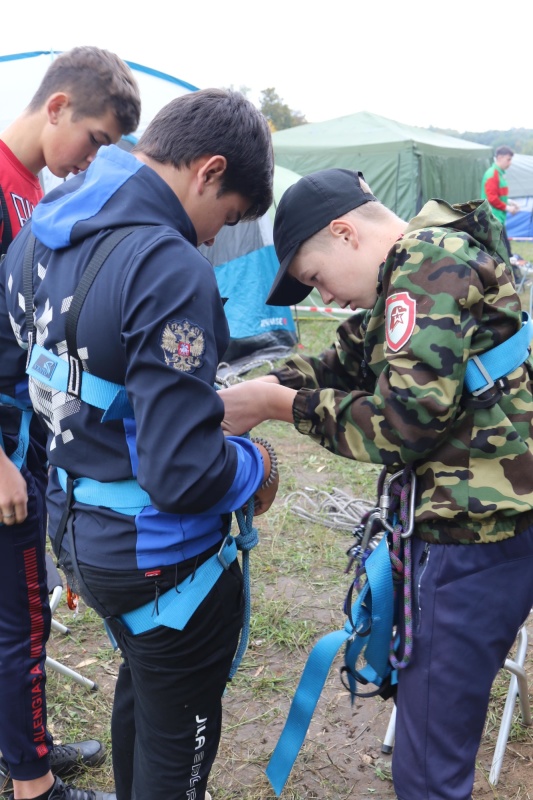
column 423, row 562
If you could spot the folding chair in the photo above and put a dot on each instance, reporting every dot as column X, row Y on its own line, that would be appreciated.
column 55, row 590
column 517, row 688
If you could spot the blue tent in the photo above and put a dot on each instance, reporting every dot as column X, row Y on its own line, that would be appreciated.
column 243, row 256
column 519, row 176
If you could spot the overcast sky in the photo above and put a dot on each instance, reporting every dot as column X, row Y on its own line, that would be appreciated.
column 461, row 65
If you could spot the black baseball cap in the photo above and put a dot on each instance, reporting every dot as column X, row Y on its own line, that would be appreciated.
column 305, row 208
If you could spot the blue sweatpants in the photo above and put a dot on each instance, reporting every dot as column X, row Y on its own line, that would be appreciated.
column 468, row 604
column 24, row 629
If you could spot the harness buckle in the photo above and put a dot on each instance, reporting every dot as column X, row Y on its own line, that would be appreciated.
column 220, row 555
column 489, row 384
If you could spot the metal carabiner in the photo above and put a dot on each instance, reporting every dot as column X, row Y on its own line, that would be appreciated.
column 384, row 500
column 412, row 498
column 374, row 515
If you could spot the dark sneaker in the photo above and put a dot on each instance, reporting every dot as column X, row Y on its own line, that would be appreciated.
column 61, row 791
column 67, row 758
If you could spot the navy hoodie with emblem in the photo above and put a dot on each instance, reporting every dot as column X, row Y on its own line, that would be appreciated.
column 153, row 321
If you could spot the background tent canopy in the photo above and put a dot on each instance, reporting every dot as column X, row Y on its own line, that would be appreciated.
column 243, row 255
column 405, row 166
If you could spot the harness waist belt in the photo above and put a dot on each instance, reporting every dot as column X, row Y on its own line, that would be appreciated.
column 125, row 497
column 483, row 370
column 175, row 607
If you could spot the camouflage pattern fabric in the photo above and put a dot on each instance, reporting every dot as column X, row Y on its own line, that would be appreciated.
column 474, row 465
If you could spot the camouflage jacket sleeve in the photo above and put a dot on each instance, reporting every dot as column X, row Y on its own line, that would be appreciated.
column 341, row 366
column 412, row 410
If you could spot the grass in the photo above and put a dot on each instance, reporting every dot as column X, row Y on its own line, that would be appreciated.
column 298, row 588
column 524, row 249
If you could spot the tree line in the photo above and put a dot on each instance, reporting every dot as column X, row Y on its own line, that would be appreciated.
column 518, row 139
column 281, row 116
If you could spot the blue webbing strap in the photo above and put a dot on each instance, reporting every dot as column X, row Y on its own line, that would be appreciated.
column 53, row 371
column 378, row 607
column 319, row 662
column 176, row 606
column 501, row 360
column 125, row 497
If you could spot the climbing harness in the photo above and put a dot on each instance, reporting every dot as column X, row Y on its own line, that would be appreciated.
column 483, row 371
column 370, row 635
column 175, row 607
column 381, row 557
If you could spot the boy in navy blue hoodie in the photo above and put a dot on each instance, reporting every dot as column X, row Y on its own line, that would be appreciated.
column 139, row 497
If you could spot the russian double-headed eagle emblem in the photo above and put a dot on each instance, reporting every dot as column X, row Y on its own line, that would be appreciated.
column 183, row 345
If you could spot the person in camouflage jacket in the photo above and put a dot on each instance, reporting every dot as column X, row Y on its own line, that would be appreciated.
column 391, row 391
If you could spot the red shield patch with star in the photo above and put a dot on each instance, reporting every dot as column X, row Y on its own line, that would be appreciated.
column 400, row 318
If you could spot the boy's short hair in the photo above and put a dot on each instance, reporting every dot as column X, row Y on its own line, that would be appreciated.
column 307, row 207
column 503, row 150
column 95, row 80
column 216, row 122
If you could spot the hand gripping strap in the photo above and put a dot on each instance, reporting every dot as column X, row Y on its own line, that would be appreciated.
column 379, row 586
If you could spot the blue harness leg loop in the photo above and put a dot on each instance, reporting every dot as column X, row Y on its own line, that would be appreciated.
column 176, row 606
column 482, row 371
column 376, row 597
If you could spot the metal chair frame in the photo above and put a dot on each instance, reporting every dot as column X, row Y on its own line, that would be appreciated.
column 55, row 590
column 518, row 688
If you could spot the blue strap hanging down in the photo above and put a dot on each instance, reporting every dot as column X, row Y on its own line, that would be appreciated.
column 377, row 605
column 376, row 643
column 483, row 370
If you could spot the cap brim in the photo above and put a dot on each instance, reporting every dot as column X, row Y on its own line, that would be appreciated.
column 286, row 290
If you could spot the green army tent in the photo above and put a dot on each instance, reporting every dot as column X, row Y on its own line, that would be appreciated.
column 405, row 166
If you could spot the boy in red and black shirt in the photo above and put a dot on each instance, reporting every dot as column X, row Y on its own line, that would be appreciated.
column 87, row 98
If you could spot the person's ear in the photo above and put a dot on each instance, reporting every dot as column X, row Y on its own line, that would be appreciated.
column 344, row 230
column 210, row 171
column 55, row 105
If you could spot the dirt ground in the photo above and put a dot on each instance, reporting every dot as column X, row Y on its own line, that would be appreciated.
column 341, row 756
